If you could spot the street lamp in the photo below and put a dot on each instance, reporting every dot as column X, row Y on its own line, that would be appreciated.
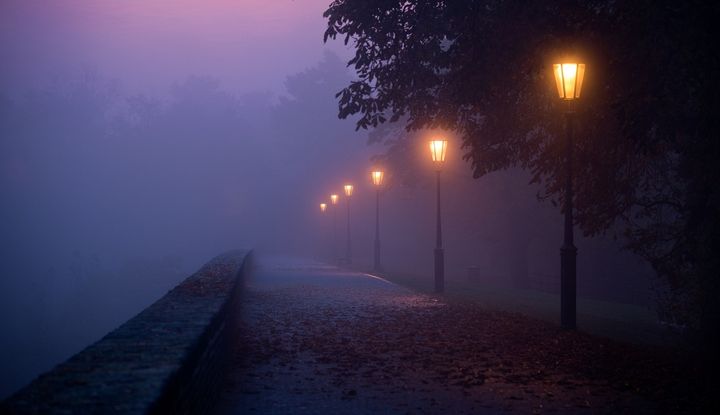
column 438, row 149
column 323, row 206
column 568, row 79
column 334, row 202
column 377, row 179
column 348, row 193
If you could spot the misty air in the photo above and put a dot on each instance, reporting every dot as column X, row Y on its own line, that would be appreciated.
column 359, row 207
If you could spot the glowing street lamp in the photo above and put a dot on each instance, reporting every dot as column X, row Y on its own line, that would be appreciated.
column 438, row 150
column 377, row 179
column 348, row 192
column 568, row 80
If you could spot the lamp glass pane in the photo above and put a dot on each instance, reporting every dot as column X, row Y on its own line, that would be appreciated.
column 569, row 77
column 580, row 78
column 557, row 69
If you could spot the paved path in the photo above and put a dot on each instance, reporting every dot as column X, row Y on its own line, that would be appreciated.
column 307, row 347
column 319, row 340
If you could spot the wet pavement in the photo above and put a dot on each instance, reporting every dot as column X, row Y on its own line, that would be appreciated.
column 316, row 339
column 298, row 354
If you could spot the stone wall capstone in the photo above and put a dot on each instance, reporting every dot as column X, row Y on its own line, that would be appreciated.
column 167, row 359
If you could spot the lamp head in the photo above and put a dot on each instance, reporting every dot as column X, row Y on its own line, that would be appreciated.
column 377, row 177
column 438, row 150
column 569, row 79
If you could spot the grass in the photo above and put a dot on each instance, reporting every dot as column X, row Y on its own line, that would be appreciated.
column 626, row 322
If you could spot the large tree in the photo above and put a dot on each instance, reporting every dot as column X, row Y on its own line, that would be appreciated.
column 647, row 145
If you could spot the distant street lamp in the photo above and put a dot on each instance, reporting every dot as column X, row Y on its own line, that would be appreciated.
column 334, row 201
column 348, row 193
column 377, row 179
column 569, row 79
column 438, row 149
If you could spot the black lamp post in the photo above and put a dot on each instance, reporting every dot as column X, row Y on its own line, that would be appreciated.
column 348, row 192
column 377, row 178
column 438, row 149
column 334, row 201
column 568, row 78
column 323, row 209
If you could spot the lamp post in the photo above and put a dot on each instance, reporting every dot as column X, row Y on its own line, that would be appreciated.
column 348, row 193
column 568, row 78
column 334, row 202
column 438, row 149
column 323, row 208
column 377, row 179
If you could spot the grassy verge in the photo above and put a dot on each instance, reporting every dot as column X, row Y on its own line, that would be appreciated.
column 625, row 322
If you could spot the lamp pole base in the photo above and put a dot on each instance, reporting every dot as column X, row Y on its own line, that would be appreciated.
column 568, row 287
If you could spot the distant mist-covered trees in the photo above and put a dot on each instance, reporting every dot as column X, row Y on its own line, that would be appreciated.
column 111, row 197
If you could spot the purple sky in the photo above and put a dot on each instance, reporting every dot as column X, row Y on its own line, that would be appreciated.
column 149, row 44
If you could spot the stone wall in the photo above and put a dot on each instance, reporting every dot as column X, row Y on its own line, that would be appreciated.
column 167, row 359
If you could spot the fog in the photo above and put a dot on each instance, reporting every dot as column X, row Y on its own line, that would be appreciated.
column 138, row 139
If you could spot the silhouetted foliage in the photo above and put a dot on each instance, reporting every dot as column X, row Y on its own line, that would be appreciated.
column 647, row 146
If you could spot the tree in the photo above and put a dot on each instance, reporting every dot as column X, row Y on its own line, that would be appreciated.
column 648, row 135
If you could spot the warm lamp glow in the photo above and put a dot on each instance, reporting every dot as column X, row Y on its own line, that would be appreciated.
column 438, row 149
column 323, row 206
column 334, row 199
column 569, row 79
column 377, row 177
column 348, row 190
